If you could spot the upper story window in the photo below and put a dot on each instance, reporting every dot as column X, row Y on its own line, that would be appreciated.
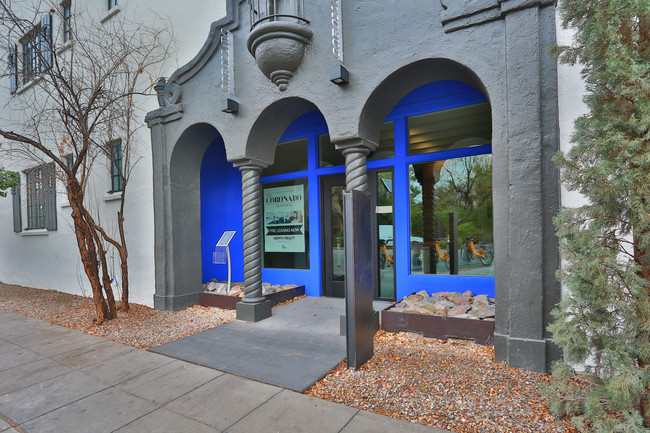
column 116, row 167
column 113, row 3
column 69, row 161
column 32, row 55
column 67, row 9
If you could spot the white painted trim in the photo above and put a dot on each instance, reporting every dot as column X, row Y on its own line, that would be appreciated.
column 36, row 232
column 113, row 196
column 110, row 13
column 29, row 85
column 65, row 46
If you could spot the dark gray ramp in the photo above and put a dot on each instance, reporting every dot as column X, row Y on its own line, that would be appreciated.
column 294, row 348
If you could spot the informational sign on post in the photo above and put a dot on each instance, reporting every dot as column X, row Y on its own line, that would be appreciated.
column 284, row 209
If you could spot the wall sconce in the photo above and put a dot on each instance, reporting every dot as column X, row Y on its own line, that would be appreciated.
column 229, row 106
column 339, row 75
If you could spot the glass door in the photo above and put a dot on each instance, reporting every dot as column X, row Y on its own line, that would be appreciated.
column 381, row 221
column 332, row 188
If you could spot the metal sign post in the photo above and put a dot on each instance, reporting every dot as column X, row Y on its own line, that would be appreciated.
column 221, row 253
column 360, row 325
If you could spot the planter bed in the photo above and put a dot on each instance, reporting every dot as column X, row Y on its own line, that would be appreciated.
column 229, row 302
column 441, row 327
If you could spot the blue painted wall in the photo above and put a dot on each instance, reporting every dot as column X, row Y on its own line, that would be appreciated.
column 221, row 210
column 221, row 196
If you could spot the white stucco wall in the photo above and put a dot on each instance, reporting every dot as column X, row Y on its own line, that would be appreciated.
column 571, row 89
column 51, row 259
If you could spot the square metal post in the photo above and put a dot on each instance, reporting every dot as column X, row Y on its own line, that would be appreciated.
column 360, row 327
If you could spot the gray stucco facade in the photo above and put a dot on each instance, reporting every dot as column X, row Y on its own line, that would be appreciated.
column 390, row 48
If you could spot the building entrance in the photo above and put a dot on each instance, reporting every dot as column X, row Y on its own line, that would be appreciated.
column 380, row 184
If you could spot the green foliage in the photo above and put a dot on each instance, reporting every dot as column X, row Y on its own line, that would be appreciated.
column 8, row 179
column 603, row 322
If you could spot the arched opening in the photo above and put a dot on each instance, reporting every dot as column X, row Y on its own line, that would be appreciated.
column 432, row 121
column 221, row 210
column 180, row 259
column 291, row 205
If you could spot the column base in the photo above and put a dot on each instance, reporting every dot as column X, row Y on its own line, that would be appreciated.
column 175, row 303
column 253, row 312
column 526, row 353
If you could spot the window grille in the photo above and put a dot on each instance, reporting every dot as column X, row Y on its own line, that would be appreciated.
column 36, row 50
column 116, row 167
column 41, row 197
column 66, row 20
column 28, row 58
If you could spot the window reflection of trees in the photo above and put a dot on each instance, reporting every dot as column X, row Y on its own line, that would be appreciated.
column 461, row 185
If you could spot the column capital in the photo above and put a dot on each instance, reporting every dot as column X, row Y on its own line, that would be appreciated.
column 249, row 164
column 356, row 144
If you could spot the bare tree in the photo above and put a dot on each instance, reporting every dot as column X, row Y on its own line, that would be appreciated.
column 77, row 105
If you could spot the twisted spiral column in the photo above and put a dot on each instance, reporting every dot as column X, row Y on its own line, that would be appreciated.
column 251, row 192
column 356, row 172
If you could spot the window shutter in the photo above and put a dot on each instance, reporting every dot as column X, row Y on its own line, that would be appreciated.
column 18, row 221
column 13, row 68
column 45, row 43
column 49, row 197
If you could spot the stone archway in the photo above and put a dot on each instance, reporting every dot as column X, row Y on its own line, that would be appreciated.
column 177, row 204
column 525, row 188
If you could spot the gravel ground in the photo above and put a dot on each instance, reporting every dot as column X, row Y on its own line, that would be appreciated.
column 454, row 385
column 141, row 326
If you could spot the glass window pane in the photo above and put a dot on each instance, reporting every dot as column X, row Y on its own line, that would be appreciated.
column 386, row 147
column 285, row 224
column 385, row 223
column 328, row 156
column 461, row 185
column 455, row 128
column 290, row 156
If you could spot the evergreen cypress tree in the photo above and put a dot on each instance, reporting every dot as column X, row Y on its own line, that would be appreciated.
column 603, row 322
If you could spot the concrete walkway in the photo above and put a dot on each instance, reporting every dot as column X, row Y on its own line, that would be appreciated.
column 294, row 348
column 55, row 379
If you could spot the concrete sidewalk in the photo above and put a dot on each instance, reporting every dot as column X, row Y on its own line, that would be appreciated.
column 55, row 379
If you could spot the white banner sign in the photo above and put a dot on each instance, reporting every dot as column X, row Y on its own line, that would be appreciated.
column 284, row 209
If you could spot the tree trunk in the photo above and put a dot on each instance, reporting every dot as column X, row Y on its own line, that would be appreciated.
column 87, row 249
column 643, row 260
column 124, row 254
column 106, row 279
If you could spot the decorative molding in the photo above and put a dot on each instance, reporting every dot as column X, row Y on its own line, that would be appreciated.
column 227, row 62
column 278, row 48
column 462, row 14
column 337, row 30
column 230, row 22
column 169, row 97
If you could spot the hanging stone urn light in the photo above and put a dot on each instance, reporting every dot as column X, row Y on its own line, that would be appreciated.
column 278, row 37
